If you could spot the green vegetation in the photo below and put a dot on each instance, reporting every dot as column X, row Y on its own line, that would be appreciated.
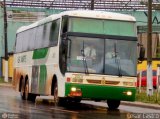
column 142, row 97
column 1, row 80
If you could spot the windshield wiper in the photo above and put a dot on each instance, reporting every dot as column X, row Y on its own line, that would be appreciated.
column 84, row 60
column 117, row 60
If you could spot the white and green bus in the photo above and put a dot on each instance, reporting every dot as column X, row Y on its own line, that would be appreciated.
column 50, row 59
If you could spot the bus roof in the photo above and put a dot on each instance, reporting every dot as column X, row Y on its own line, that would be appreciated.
column 81, row 13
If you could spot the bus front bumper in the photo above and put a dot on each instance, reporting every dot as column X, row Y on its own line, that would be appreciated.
column 100, row 92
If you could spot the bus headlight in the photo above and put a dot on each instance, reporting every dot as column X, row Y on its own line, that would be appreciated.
column 73, row 89
column 129, row 93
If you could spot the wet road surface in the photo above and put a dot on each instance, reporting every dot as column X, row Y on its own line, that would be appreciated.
column 12, row 106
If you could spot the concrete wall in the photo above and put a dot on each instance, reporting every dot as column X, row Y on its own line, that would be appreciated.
column 141, row 17
column 143, row 65
column 0, row 67
column 10, row 67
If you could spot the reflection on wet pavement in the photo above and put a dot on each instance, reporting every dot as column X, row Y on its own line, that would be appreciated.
column 12, row 106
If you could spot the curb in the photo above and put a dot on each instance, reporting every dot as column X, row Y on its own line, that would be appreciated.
column 6, row 85
column 44, row 99
column 140, row 104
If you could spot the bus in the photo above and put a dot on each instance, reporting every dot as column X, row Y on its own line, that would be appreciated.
column 50, row 58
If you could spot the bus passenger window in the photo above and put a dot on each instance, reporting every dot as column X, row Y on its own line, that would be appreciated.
column 54, row 32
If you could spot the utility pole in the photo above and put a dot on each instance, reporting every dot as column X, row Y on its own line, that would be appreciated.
column 149, row 51
column 92, row 4
column 5, row 41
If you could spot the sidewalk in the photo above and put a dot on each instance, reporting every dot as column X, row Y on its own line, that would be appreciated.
column 125, row 103
column 49, row 99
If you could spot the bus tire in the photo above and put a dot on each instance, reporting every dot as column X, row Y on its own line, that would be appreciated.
column 113, row 104
column 77, row 100
column 58, row 100
column 32, row 97
column 22, row 89
column 26, row 90
column 55, row 93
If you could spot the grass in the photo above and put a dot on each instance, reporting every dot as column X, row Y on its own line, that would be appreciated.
column 1, row 80
column 143, row 97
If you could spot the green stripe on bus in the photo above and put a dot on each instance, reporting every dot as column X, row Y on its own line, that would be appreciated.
column 102, row 92
column 40, row 53
column 42, row 81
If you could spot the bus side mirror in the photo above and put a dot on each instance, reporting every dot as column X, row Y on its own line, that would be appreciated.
column 141, row 54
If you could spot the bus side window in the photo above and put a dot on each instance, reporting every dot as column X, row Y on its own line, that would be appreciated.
column 54, row 32
column 46, row 35
column 39, row 37
column 19, row 43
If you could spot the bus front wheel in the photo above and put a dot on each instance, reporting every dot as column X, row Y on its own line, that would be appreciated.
column 56, row 98
column 113, row 104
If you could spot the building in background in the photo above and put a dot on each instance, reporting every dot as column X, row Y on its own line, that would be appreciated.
column 16, row 18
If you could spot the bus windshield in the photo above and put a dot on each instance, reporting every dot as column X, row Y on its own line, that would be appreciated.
column 102, row 56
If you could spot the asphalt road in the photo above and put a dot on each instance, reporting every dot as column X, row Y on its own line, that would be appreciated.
column 12, row 107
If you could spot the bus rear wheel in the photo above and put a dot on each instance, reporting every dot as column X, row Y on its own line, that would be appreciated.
column 113, row 104
column 22, row 93
column 25, row 91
